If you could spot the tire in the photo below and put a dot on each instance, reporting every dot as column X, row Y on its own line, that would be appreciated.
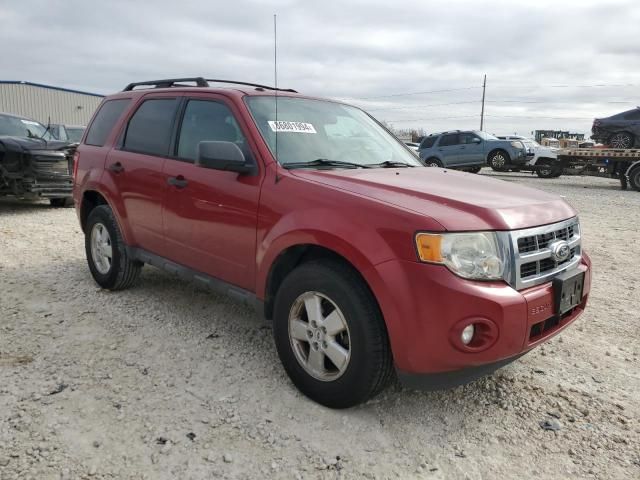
column 634, row 178
column 433, row 162
column 621, row 140
column 499, row 160
column 339, row 294
column 118, row 271
column 548, row 169
column 61, row 202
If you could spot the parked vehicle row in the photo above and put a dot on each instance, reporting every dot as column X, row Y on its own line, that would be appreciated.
column 368, row 265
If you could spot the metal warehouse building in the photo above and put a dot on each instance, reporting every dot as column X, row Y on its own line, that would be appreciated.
column 43, row 102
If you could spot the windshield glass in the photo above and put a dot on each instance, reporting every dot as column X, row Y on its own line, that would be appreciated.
column 309, row 130
column 486, row 136
column 74, row 134
column 21, row 127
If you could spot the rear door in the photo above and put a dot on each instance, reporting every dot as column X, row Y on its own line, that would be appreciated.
column 449, row 149
column 210, row 216
column 136, row 164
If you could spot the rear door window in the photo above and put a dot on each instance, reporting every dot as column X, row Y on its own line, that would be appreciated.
column 450, row 139
column 105, row 120
column 150, row 128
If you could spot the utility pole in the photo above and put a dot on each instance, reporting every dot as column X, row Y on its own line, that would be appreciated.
column 484, row 88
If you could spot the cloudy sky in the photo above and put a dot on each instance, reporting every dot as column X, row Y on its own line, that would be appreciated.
column 420, row 64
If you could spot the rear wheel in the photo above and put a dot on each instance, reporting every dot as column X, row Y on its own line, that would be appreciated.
column 107, row 256
column 433, row 162
column 330, row 335
column 499, row 160
column 621, row 140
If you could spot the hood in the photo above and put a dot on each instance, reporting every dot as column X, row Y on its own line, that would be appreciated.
column 458, row 201
column 26, row 143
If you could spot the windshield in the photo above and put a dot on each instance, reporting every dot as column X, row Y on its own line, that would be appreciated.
column 74, row 134
column 21, row 127
column 309, row 130
column 486, row 136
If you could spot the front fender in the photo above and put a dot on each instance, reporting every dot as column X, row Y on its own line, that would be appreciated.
column 361, row 245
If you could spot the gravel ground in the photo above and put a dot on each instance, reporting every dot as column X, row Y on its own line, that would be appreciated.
column 170, row 381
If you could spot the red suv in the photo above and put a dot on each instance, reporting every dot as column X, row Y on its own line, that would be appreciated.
column 368, row 264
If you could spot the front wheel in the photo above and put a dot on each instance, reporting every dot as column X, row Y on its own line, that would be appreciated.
column 548, row 169
column 330, row 335
column 498, row 161
column 107, row 256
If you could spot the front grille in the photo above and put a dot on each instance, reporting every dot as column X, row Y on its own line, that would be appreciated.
column 52, row 166
column 533, row 260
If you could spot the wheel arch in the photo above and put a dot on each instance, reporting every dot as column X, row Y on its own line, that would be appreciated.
column 498, row 149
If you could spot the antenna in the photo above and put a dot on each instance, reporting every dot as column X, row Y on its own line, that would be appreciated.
column 275, row 73
column 275, row 81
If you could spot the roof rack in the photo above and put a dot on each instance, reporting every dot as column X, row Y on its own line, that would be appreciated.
column 199, row 82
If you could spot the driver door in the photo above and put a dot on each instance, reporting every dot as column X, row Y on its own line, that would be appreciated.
column 210, row 216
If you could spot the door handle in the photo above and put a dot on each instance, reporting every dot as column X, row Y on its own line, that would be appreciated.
column 178, row 182
column 116, row 167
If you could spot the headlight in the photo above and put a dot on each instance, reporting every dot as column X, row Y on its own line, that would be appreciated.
column 516, row 144
column 474, row 255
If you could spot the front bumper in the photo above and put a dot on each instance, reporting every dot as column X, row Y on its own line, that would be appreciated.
column 424, row 306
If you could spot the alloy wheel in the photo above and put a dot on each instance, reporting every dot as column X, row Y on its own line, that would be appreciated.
column 101, row 250
column 319, row 336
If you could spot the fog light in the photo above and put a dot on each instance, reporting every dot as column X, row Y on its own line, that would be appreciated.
column 467, row 334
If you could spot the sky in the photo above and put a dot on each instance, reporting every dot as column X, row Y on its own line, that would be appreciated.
column 414, row 64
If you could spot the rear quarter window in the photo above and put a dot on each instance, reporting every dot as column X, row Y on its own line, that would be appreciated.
column 428, row 142
column 105, row 120
column 149, row 129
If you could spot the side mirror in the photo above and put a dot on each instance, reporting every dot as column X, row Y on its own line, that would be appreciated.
column 476, row 140
column 222, row 156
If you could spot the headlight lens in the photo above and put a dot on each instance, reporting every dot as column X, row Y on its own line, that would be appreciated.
column 516, row 144
column 474, row 255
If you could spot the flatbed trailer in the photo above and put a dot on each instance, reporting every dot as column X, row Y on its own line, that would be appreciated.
column 620, row 163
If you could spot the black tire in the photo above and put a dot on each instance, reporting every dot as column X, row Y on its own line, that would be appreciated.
column 548, row 169
column 61, row 202
column 621, row 140
column 122, row 271
column 499, row 161
column 369, row 367
column 634, row 178
column 433, row 162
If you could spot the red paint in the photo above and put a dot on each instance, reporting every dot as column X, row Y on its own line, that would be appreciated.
column 235, row 226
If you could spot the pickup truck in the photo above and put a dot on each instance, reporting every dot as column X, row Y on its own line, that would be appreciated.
column 369, row 265
column 33, row 164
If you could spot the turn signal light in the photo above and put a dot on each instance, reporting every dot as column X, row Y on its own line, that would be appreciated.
column 428, row 245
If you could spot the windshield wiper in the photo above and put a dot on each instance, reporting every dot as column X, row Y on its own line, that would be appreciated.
column 391, row 164
column 323, row 162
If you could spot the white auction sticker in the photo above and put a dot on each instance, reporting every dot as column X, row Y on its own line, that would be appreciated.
column 291, row 127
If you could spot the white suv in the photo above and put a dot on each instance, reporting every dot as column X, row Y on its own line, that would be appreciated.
column 542, row 160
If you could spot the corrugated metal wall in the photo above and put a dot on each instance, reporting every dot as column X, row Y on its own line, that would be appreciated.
column 40, row 103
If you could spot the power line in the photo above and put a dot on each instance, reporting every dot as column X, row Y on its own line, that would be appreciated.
column 415, row 93
column 492, row 116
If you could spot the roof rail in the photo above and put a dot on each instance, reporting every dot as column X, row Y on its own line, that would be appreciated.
column 199, row 82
